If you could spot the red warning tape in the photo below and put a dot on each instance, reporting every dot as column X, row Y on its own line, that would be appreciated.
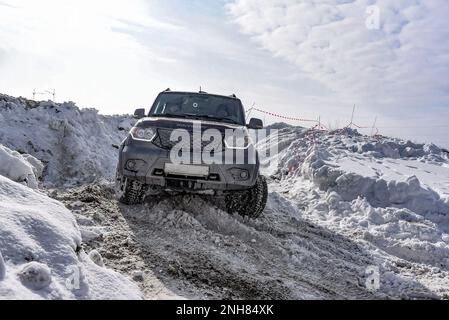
column 318, row 125
column 283, row 117
column 359, row 127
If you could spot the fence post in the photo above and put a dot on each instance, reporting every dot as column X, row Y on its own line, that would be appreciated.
column 352, row 117
column 374, row 126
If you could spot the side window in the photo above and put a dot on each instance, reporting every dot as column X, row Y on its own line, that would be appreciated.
column 160, row 108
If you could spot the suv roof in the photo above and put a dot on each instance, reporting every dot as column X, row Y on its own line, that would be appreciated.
column 168, row 91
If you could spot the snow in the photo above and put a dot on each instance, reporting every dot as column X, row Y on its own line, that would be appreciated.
column 96, row 258
column 20, row 168
column 35, row 276
column 77, row 146
column 431, row 175
column 40, row 248
column 390, row 194
column 339, row 204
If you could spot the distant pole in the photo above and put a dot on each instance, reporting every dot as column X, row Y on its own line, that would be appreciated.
column 374, row 126
column 34, row 94
column 319, row 122
column 248, row 112
column 352, row 117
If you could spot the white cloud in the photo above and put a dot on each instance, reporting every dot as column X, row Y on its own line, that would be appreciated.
column 406, row 61
column 81, row 48
column 116, row 55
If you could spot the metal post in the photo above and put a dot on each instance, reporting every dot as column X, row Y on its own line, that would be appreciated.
column 374, row 126
column 352, row 117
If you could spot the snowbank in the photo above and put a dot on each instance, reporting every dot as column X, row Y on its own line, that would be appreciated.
column 380, row 189
column 393, row 193
column 41, row 257
column 77, row 146
column 20, row 168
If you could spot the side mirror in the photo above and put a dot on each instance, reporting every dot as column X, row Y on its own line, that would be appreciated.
column 255, row 123
column 139, row 114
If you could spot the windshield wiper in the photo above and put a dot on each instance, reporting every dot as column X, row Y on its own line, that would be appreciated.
column 220, row 119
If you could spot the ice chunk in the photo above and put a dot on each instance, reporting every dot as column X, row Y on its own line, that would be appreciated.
column 96, row 257
column 35, row 275
column 23, row 169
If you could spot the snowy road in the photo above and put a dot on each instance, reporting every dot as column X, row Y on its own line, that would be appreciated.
column 184, row 247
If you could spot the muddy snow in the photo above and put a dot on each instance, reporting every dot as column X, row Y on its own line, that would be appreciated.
column 183, row 251
column 348, row 217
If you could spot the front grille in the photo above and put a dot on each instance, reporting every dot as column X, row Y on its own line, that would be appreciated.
column 162, row 140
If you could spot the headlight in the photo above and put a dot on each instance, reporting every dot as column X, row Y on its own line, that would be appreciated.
column 144, row 134
column 238, row 141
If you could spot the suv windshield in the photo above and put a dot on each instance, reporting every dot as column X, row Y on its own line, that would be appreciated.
column 198, row 106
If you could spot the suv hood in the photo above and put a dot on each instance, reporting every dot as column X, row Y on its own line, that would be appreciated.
column 179, row 123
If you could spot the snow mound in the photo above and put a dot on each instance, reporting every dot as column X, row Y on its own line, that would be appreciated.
column 76, row 145
column 20, row 168
column 41, row 257
column 392, row 193
column 330, row 172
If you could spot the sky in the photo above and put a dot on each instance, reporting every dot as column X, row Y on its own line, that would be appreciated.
column 298, row 58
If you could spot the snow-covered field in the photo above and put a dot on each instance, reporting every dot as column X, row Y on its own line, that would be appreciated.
column 340, row 206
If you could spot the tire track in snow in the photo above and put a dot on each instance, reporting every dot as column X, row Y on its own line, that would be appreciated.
column 189, row 248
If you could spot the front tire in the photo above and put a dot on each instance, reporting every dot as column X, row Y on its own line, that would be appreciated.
column 130, row 192
column 249, row 203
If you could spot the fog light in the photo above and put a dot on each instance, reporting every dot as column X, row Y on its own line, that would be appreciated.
column 131, row 164
column 239, row 174
column 244, row 174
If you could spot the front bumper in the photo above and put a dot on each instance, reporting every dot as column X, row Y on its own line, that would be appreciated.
column 150, row 163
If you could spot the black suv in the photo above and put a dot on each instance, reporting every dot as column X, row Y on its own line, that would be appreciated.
column 193, row 141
